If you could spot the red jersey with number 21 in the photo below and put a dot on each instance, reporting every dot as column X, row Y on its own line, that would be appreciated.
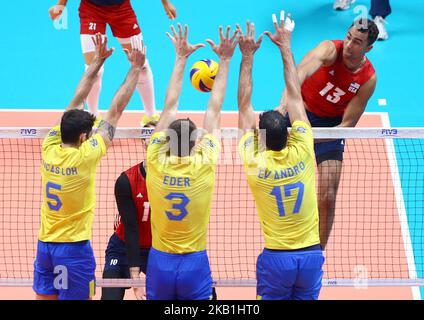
column 329, row 90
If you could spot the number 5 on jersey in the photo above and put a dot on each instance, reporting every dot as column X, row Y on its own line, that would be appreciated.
column 55, row 204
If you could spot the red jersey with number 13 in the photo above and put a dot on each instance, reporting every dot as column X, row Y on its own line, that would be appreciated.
column 329, row 90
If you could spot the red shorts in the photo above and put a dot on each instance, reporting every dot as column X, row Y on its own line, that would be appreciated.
column 121, row 18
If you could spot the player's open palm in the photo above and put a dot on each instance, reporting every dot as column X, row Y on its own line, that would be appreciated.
column 56, row 11
column 225, row 49
column 101, row 51
column 283, row 31
column 247, row 43
column 137, row 56
column 180, row 41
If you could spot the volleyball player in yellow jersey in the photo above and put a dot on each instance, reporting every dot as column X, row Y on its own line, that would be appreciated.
column 180, row 183
column 65, row 265
column 280, row 169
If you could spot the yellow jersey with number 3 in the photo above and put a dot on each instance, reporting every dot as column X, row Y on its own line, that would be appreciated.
column 68, row 182
column 180, row 194
column 283, row 186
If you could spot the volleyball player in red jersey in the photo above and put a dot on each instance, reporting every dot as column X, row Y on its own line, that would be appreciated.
column 337, row 81
column 128, row 247
column 119, row 14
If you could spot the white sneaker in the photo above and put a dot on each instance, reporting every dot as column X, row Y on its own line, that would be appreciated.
column 342, row 4
column 382, row 32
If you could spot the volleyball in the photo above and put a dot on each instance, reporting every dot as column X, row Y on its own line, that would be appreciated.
column 202, row 74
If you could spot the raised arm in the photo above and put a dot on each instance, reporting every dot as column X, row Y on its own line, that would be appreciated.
column 170, row 9
column 56, row 11
column 137, row 59
column 183, row 50
column 87, row 81
column 324, row 54
column 282, row 38
column 248, row 47
column 225, row 51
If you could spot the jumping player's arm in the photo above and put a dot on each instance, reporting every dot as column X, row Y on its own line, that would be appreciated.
column 356, row 106
column 225, row 51
column 107, row 126
column 282, row 38
column 87, row 81
column 248, row 47
column 183, row 50
column 56, row 11
column 324, row 54
column 170, row 9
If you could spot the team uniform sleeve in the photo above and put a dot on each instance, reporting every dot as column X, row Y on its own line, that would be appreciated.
column 128, row 213
column 301, row 136
column 209, row 147
column 94, row 149
column 248, row 147
column 157, row 148
column 52, row 138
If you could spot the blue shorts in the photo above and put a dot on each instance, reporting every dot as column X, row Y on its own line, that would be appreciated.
column 65, row 270
column 331, row 150
column 290, row 275
column 116, row 259
column 178, row 276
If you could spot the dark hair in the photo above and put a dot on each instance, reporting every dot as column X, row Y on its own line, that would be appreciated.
column 73, row 123
column 180, row 137
column 366, row 26
column 274, row 126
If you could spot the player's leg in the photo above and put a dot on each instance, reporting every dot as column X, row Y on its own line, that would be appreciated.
column 124, row 25
column 145, row 86
column 93, row 20
column 194, row 280
column 44, row 277
column 162, row 269
column 309, row 278
column 328, row 184
column 276, row 273
column 116, row 267
column 74, row 270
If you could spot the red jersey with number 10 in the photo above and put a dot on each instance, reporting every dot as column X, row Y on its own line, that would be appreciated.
column 141, row 201
column 329, row 90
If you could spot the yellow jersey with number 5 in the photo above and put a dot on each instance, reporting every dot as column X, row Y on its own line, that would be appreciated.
column 180, row 194
column 68, row 182
column 283, row 186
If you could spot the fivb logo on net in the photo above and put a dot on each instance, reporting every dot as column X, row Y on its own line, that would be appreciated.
column 62, row 22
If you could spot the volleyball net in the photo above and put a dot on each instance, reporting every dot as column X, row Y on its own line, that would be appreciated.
column 377, row 237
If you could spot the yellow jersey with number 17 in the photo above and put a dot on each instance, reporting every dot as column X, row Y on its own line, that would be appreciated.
column 68, row 182
column 180, row 194
column 283, row 186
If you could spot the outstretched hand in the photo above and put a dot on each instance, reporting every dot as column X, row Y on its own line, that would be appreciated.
column 283, row 31
column 182, row 47
column 137, row 56
column 247, row 43
column 101, row 50
column 225, row 49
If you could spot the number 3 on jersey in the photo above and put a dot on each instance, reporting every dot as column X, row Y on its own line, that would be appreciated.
column 181, row 206
column 335, row 96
